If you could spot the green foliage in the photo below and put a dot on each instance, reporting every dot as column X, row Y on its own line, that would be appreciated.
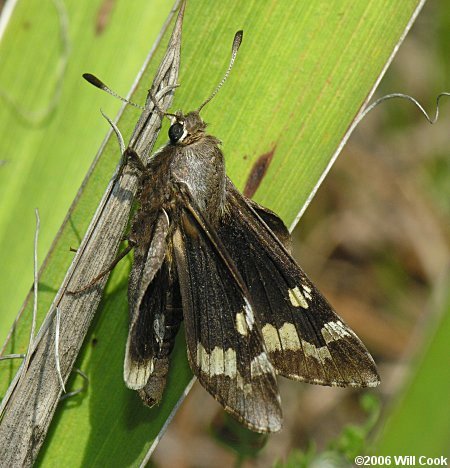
column 299, row 459
column 420, row 420
column 341, row 452
column 303, row 72
column 353, row 440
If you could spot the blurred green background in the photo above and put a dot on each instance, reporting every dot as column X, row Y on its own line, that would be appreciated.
column 375, row 240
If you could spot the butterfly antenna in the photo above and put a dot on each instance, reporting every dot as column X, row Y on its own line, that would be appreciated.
column 234, row 50
column 93, row 80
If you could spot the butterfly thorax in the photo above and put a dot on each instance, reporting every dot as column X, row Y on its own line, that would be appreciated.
column 195, row 164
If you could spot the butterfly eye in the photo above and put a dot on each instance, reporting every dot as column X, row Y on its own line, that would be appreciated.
column 176, row 132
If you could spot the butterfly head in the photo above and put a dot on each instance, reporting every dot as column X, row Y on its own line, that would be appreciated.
column 186, row 129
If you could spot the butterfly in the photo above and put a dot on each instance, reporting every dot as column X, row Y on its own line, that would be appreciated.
column 207, row 255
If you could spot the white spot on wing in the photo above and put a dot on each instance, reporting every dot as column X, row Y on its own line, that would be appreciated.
column 286, row 338
column 220, row 363
column 289, row 337
column 271, row 338
column 307, row 291
column 320, row 354
column 333, row 331
column 230, row 363
column 241, row 324
column 245, row 319
column 136, row 374
column 202, row 358
column 297, row 298
column 217, row 362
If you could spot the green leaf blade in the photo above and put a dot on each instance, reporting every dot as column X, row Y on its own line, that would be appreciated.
column 301, row 76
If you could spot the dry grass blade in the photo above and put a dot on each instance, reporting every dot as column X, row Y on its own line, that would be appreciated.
column 31, row 401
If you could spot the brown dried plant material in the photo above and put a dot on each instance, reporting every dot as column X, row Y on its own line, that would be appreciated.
column 29, row 405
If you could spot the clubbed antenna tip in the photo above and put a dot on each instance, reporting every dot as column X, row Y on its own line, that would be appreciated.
column 234, row 50
column 93, row 80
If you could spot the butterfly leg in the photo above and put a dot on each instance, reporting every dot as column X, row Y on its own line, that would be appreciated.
column 111, row 267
